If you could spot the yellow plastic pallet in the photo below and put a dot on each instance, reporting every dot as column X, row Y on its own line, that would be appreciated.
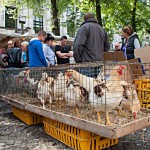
column 26, row 116
column 145, row 105
column 76, row 138
column 143, row 90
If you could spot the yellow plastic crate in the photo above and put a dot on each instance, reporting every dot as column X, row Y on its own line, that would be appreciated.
column 76, row 138
column 26, row 116
column 143, row 90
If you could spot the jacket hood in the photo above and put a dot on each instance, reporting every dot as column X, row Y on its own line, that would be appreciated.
column 90, row 20
column 32, row 41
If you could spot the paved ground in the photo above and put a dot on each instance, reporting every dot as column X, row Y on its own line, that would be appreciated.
column 15, row 135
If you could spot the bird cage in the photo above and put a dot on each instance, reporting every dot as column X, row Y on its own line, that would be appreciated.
column 100, row 97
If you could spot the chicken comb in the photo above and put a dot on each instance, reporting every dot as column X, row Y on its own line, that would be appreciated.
column 120, row 70
column 122, row 67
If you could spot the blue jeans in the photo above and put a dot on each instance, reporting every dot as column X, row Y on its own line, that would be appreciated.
column 90, row 71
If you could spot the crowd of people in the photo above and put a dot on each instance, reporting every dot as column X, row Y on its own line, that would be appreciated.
column 39, row 52
column 90, row 43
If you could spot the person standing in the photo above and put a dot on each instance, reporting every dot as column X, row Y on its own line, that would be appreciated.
column 131, row 42
column 90, row 42
column 3, row 64
column 14, row 54
column 36, row 54
column 24, row 56
column 63, row 51
column 10, row 44
column 48, row 52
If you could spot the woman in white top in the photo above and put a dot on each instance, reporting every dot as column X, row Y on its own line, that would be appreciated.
column 48, row 52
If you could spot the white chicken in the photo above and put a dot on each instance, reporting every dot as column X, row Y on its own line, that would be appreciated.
column 44, row 91
column 75, row 95
column 103, row 96
column 59, row 86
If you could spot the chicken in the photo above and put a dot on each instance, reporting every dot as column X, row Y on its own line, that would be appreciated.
column 130, row 99
column 103, row 96
column 84, row 81
column 60, row 84
column 46, row 78
column 75, row 95
column 22, row 81
column 44, row 91
column 25, row 75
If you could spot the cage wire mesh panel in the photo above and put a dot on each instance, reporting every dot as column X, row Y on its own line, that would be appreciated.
column 99, row 92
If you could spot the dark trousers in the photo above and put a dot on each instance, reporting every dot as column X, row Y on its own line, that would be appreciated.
column 90, row 71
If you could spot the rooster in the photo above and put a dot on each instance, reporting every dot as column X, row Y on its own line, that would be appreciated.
column 103, row 96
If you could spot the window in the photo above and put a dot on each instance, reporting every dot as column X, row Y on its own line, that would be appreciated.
column 38, row 24
column 9, row 21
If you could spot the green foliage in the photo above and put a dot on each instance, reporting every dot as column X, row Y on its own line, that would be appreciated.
column 36, row 5
column 115, row 13
column 118, row 13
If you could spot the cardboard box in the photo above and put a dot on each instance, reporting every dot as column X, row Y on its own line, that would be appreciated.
column 114, row 56
column 143, row 54
column 133, row 67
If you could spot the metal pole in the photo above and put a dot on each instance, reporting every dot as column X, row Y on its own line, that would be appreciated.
column 22, row 29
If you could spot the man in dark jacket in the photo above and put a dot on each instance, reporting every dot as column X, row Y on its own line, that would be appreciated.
column 36, row 54
column 91, row 41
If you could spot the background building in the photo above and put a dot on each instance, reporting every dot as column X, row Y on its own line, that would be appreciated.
column 31, row 24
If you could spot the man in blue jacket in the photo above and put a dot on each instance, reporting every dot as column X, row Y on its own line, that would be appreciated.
column 36, row 54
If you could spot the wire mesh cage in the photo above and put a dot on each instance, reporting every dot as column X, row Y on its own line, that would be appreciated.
column 99, row 92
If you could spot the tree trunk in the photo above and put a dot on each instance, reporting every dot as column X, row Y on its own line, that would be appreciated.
column 98, row 12
column 55, row 21
column 133, row 15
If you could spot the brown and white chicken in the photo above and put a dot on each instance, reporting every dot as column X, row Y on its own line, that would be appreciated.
column 84, row 81
column 103, row 96
column 76, row 96
column 44, row 91
column 130, row 101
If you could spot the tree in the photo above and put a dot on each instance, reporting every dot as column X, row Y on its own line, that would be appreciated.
column 98, row 12
column 117, row 14
column 54, row 9
column 134, row 15
column 97, row 5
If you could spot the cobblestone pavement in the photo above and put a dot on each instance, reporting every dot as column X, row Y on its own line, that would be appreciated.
column 15, row 135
